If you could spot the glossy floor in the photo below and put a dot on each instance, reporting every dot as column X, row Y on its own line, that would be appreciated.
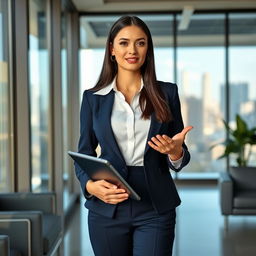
column 199, row 230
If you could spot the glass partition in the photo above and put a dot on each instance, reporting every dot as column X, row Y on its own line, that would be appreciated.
column 161, row 28
column 39, row 95
column 242, row 59
column 201, row 75
column 67, row 163
column 5, row 113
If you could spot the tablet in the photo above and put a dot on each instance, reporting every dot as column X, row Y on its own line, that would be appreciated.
column 101, row 169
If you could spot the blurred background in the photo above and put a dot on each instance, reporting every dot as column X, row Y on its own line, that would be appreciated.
column 52, row 50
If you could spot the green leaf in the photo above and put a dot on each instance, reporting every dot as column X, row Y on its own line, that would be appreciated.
column 238, row 139
column 241, row 125
column 232, row 147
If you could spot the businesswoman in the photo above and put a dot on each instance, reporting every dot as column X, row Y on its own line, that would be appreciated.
column 137, row 122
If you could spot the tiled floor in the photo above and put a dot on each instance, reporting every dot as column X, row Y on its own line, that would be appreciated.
column 199, row 230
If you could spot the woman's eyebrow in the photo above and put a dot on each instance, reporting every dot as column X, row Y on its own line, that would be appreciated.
column 126, row 39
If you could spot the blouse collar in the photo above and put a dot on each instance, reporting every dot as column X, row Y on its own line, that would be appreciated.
column 112, row 86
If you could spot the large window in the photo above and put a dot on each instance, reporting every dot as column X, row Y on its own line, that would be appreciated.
column 242, row 59
column 39, row 94
column 197, row 63
column 5, row 117
column 67, row 163
column 161, row 29
column 201, row 73
column 93, row 34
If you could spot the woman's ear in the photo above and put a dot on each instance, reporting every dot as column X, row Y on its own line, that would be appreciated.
column 111, row 49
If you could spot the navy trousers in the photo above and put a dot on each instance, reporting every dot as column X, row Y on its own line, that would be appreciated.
column 136, row 228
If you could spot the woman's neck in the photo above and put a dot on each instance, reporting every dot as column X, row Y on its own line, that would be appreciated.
column 128, row 81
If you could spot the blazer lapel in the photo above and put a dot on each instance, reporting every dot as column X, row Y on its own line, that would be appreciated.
column 155, row 126
column 106, row 107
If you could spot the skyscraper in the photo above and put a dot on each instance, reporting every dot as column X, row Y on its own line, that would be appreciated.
column 238, row 96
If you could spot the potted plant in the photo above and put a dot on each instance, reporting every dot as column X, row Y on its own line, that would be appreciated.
column 240, row 143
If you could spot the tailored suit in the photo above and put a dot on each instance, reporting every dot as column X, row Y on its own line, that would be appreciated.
column 95, row 128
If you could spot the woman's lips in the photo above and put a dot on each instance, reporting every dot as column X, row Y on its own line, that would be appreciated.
column 132, row 60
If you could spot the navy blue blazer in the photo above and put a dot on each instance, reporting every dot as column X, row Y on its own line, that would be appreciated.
column 95, row 128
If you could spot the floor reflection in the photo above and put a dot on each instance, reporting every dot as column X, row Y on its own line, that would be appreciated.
column 199, row 230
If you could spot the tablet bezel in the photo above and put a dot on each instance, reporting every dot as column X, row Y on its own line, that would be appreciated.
column 109, row 167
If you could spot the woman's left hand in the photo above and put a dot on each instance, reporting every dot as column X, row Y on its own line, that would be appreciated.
column 170, row 146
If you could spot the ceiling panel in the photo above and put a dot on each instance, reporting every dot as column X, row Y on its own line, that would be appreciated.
column 161, row 5
column 135, row 1
column 203, row 30
column 157, row 28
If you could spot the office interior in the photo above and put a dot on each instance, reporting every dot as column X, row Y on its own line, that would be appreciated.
column 52, row 50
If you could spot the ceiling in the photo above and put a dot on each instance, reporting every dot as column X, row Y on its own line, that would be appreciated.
column 203, row 29
column 162, row 5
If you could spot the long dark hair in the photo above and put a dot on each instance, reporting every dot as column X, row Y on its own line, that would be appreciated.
column 151, row 97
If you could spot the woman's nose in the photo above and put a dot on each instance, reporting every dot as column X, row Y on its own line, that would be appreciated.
column 132, row 49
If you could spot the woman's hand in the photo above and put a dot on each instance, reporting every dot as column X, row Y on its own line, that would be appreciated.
column 107, row 192
column 170, row 146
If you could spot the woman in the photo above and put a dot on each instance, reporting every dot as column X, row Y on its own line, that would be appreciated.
column 137, row 122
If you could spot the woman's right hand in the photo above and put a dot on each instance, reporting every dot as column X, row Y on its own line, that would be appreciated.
column 107, row 192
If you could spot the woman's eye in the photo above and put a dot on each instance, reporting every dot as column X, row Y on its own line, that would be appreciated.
column 141, row 43
column 123, row 43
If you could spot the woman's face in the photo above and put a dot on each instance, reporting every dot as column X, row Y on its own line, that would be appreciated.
column 130, row 48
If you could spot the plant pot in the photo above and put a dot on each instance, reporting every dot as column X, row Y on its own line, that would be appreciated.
column 244, row 177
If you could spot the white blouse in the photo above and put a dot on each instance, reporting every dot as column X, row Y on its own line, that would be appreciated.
column 130, row 130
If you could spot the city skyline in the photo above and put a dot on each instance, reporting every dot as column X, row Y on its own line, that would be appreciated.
column 199, row 84
column 185, row 63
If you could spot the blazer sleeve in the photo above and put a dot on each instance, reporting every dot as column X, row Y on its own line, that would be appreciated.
column 177, row 126
column 87, row 142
